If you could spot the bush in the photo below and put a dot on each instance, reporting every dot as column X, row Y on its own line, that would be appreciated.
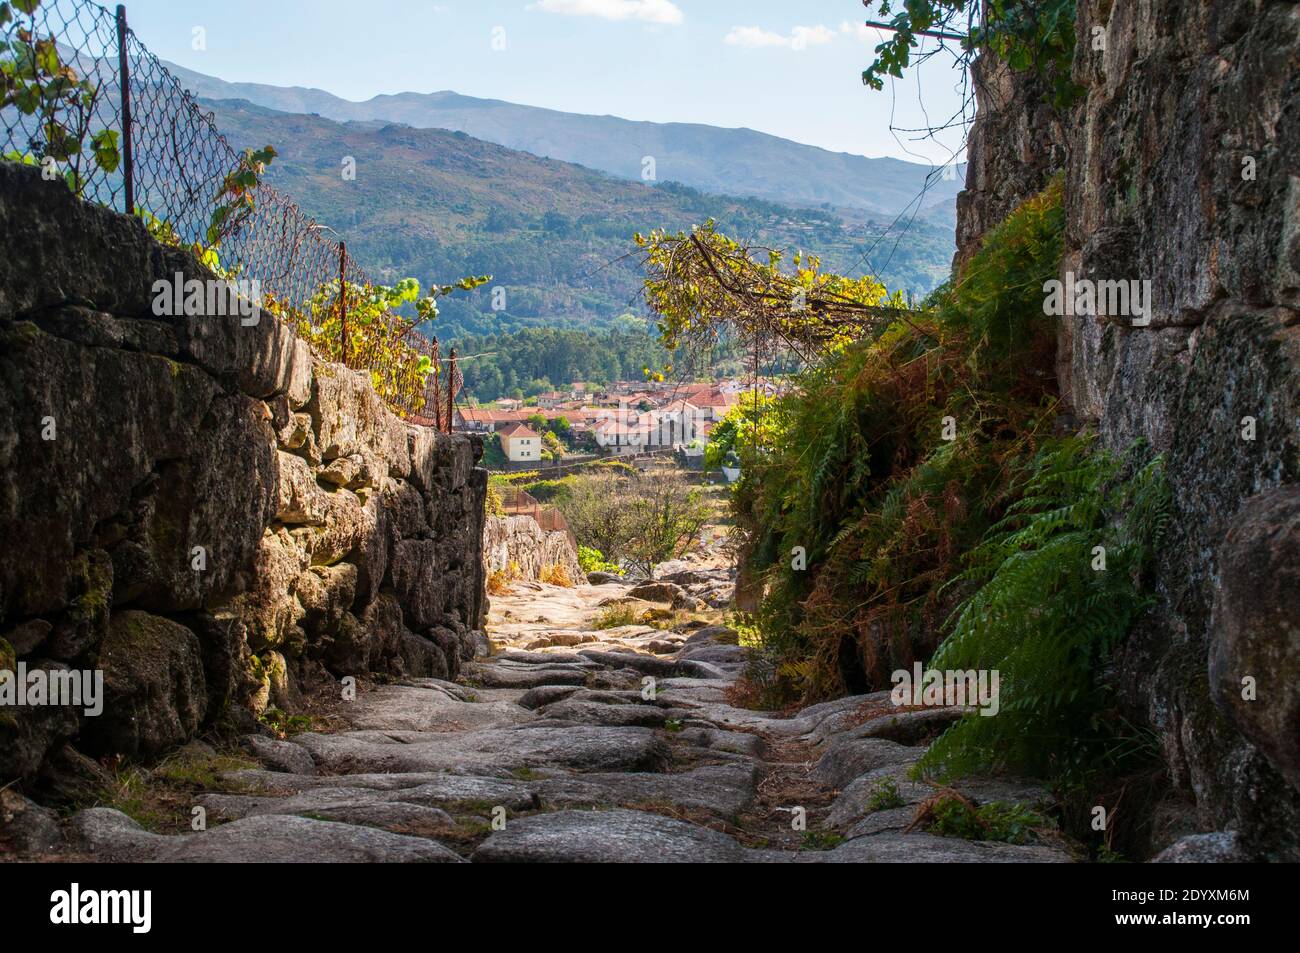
column 493, row 505
column 598, row 510
column 593, row 560
column 950, row 815
column 556, row 576
column 494, row 457
column 615, row 616
column 547, row 491
column 666, row 516
column 861, row 480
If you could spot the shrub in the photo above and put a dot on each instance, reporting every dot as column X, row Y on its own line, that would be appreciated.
column 860, row 478
column 950, row 815
column 493, row 505
column 556, row 575
column 593, row 560
column 884, row 795
column 612, row 617
column 547, row 491
column 595, row 507
column 666, row 516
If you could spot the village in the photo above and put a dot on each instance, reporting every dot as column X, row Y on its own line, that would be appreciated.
column 621, row 419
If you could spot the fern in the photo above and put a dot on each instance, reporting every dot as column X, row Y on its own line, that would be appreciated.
column 1046, row 619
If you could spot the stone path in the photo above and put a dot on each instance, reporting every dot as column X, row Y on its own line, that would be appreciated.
column 576, row 744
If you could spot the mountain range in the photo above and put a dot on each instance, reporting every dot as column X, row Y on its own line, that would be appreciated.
column 738, row 162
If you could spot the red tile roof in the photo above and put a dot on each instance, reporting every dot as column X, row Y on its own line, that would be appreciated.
column 516, row 430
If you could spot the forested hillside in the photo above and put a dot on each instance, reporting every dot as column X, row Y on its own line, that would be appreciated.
column 555, row 236
column 533, row 360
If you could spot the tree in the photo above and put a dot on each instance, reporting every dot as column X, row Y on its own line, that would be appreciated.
column 552, row 449
column 704, row 284
column 596, row 508
column 746, row 427
column 494, row 457
column 667, row 515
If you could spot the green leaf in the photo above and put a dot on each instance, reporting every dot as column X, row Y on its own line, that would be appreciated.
column 104, row 145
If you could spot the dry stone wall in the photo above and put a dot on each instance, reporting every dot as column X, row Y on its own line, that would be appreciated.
column 197, row 507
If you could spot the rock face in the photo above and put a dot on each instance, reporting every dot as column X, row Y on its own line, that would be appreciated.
column 1016, row 145
column 194, row 504
column 1182, row 168
column 520, row 541
column 1255, row 627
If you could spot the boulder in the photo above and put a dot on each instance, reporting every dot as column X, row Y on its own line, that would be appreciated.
column 27, row 828
column 155, row 694
column 422, row 658
column 280, row 755
column 1222, row 847
column 666, row 593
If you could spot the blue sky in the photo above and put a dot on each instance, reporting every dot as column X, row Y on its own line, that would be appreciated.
column 789, row 68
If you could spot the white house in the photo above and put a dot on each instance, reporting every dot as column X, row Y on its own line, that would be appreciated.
column 520, row 444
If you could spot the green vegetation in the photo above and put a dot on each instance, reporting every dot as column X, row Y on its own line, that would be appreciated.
column 665, row 516
column 951, row 815
column 161, row 798
column 821, row 840
column 912, row 502
column 378, row 337
column 537, row 360
column 35, row 81
column 283, row 724
column 861, row 481
column 592, row 560
column 1035, row 35
column 1060, row 586
column 612, row 617
column 884, row 796
column 626, row 519
column 745, row 428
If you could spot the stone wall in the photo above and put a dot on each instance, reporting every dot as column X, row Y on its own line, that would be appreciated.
column 196, row 506
column 1015, row 147
column 521, row 541
column 1185, row 93
column 1185, row 97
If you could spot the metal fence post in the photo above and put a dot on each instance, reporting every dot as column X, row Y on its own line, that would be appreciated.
column 451, row 388
column 124, row 87
column 343, row 301
column 435, row 373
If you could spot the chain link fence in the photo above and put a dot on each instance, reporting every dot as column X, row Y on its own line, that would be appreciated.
column 83, row 98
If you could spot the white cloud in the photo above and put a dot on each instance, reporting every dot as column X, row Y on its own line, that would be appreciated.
column 752, row 36
column 648, row 11
column 800, row 38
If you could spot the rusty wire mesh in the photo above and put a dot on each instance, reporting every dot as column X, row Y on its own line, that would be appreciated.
column 179, row 164
column 519, row 502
